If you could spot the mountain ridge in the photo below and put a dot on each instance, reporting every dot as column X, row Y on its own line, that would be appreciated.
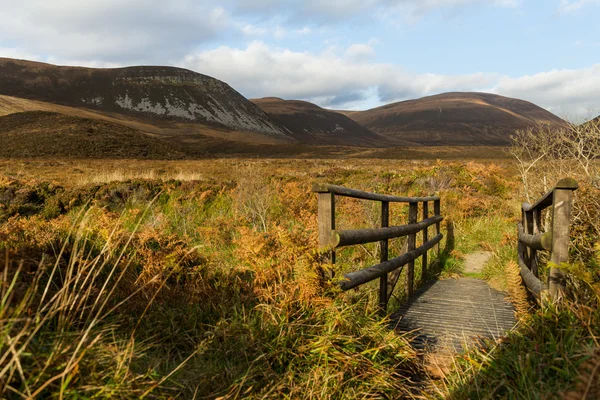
column 164, row 93
column 455, row 118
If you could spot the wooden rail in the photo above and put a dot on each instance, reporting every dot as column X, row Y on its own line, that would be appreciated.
column 556, row 239
column 388, row 271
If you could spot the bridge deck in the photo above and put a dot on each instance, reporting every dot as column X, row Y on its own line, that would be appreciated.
column 454, row 312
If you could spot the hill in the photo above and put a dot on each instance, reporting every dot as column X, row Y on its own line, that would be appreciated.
column 48, row 134
column 159, row 93
column 454, row 119
column 311, row 124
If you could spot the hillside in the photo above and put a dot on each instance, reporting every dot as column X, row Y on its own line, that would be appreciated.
column 159, row 93
column 47, row 134
column 311, row 124
column 454, row 119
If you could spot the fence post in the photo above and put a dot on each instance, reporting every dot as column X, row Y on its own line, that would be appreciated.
column 412, row 241
column 425, row 240
column 437, row 211
column 326, row 212
column 562, row 199
column 537, row 229
column 528, row 253
column 383, row 256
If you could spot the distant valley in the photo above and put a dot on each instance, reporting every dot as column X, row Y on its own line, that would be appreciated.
column 311, row 124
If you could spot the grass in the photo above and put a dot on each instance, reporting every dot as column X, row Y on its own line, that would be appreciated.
column 201, row 280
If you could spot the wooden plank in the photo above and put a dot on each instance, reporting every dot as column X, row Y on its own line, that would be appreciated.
column 413, row 209
column 437, row 212
column 561, row 220
column 383, row 257
column 546, row 200
column 360, row 236
column 440, row 320
column 537, row 242
column 359, row 194
column 425, row 239
column 537, row 229
column 357, row 278
column 531, row 281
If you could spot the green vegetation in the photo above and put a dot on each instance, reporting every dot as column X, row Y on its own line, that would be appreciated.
column 555, row 352
column 211, row 287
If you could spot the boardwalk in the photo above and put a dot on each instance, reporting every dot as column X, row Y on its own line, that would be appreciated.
column 455, row 311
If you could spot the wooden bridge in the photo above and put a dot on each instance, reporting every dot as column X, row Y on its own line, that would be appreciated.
column 449, row 313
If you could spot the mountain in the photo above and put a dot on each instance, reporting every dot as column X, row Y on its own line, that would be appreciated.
column 158, row 93
column 311, row 124
column 48, row 134
column 455, row 119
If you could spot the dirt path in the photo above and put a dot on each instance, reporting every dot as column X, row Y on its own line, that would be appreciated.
column 475, row 262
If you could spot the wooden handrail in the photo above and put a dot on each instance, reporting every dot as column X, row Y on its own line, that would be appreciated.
column 357, row 278
column 546, row 200
column 330, row 238
column 360, row 236
column 359, row 194
column 556, row 240
column 541, row 241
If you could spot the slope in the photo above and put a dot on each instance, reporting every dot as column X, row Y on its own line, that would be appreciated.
column 48, row 134
column 455, row 119
column 157, row 93
column 311, row 124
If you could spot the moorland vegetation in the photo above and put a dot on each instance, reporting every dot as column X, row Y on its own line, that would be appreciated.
column 209, row 285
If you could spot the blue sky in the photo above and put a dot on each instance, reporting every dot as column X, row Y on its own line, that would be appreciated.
column 352, row 54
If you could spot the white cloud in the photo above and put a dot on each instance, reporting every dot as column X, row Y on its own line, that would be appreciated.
column 107, row 33
column 331, row 79
column 151, row 31
column 570, row 93
column 570, row 6
column 110, row 30
column 338, row 81
column 359, row 52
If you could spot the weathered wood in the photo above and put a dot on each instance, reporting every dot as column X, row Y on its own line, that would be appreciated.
column 546, row 200
column 326, row 216
column 413, row 209
column 425, row 239
column 523, row 250
column 357, row 278
column 359, row 194
column 437, row 212
column 537, row 242
column 532, row 283
column 537, row 229
column 529, row 230
column 360, row 236
column 454, row 312
column 561, row 217
column 383, row 257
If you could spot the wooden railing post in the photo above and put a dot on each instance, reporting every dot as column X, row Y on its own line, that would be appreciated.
column 537, row 229
column 437, row 211
column 412, row 241
column 561, row 220
column 326, row 210
column 388, row 270
column 425, row 239
column 383, row 256
column 528, row 253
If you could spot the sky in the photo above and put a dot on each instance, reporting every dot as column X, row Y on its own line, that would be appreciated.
column 340, row 54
